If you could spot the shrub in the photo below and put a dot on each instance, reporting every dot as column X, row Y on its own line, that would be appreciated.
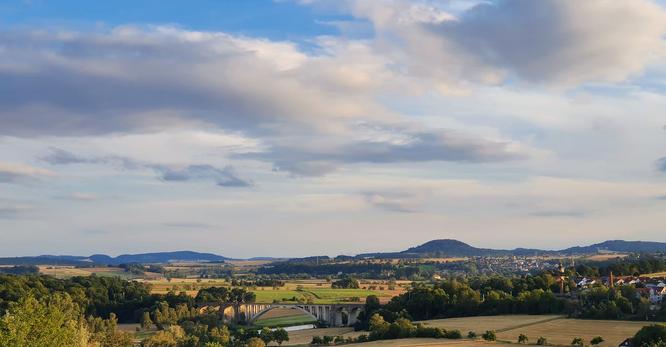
column 255, row 342
column 522, row 338
column 597, row 340
column 577, row 341
column 541, row 341
column 471, row 335
column 489, row 336
column 453, row 334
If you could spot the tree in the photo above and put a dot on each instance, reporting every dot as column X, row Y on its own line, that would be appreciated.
column 522, row 338
column 255, row 342
column 220, row 335
column 105, row 332
column 280, row 335
column 471, row 335
column 346, row 283
column 650, row 335
column 577, row 341
column 541, row 341
column 266, row 335
column 53, row 321
column 596, row 340
column 165, row 338
column 489, row 336
column 378, row 327
column 146, row 322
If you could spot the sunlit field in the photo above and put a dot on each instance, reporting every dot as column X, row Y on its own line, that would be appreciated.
column 312, row 291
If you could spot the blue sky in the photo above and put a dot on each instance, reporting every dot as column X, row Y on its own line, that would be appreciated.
column 293, row 128
column 283, row 20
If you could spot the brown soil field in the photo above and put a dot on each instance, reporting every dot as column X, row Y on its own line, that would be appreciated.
column 604, row 257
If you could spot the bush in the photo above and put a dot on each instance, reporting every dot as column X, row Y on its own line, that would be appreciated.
column 597, row 340
column 471, row 335
column 453, row 334
column 577, row 341
column 522, row 338
column 255, row 342
column 489, row 336
column 542, row 341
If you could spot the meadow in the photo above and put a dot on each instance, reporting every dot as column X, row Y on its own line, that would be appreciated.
column 314, row 291
column 71, row 271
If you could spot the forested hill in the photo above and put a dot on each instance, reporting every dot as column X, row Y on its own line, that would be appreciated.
column 455, row 248
column 620, row 246
column 158, row 257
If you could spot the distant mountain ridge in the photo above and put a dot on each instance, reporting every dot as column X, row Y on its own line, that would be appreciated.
column 156, row 257
column 442, row 247
column 455, row 248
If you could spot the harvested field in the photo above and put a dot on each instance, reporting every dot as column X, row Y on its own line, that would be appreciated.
column 562, row 331
column 431, row 342
column 605, row 257
column 481, row 324
column 303, row 337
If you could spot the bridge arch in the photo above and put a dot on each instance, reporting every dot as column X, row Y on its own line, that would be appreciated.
column 292, row 307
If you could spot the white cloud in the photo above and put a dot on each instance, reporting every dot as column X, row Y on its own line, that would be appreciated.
column 15, row 172
column 553, row 42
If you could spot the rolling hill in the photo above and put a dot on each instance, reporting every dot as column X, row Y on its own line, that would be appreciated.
column 455, row 248
column 158, row 257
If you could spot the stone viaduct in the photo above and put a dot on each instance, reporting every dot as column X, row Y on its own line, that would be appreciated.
column 335, row 315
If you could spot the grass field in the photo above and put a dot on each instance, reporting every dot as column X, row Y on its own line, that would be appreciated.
column 284, row 321
column 316, row 291
column 71, row 271
column 282, row 317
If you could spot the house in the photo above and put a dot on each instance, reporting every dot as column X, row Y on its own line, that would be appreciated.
column 655, row 295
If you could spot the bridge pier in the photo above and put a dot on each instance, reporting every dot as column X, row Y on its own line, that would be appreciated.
column 335, row 315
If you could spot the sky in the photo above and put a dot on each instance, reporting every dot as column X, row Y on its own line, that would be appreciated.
column 296, row 128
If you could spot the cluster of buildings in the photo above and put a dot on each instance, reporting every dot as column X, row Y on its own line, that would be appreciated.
column 514, row 264
column 654, row 289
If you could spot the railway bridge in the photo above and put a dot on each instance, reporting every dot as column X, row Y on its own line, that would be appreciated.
column 335, row 315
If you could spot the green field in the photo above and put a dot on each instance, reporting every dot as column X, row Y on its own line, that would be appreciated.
column 316, row 295
column 269, row 295
column 284, row 321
